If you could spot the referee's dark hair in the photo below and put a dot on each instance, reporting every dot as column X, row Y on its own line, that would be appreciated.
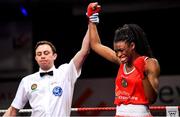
column 46, row 42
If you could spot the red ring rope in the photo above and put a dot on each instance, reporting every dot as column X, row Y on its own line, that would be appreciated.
column 101, row 108
column 114, row 108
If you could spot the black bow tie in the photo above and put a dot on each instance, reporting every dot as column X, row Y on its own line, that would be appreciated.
column 46, row 73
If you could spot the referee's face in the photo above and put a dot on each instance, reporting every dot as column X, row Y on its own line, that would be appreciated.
column 45, row 57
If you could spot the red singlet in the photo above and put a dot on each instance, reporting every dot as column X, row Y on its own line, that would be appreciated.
column 129, row 87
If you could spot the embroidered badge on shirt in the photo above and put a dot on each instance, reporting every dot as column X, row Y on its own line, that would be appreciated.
column 57, row 91
column 33, row 86
column 124, row 82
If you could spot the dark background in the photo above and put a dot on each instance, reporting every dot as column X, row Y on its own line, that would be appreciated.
column 64, row 23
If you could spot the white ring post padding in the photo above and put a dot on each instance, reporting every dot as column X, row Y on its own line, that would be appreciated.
column 172, row 111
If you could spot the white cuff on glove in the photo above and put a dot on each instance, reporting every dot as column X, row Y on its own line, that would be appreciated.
column 94, row 18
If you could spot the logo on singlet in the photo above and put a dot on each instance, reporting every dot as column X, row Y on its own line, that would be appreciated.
column 124, row 82
column 57, row 91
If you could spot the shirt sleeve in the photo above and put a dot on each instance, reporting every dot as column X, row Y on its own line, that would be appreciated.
column 70, row 71
column 74, row 70
column 20, row 99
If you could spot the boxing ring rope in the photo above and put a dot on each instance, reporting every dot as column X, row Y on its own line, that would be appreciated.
column 101, row 109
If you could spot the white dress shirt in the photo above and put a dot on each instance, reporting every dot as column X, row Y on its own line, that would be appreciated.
column 48, row 96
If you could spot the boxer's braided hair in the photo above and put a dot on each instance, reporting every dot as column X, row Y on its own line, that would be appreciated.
column 134, row 33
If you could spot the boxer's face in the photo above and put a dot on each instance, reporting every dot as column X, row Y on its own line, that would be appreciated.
column 123, row 50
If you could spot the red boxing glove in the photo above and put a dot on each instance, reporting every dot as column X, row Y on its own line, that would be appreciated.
column 139, row 64
column 93, row 8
